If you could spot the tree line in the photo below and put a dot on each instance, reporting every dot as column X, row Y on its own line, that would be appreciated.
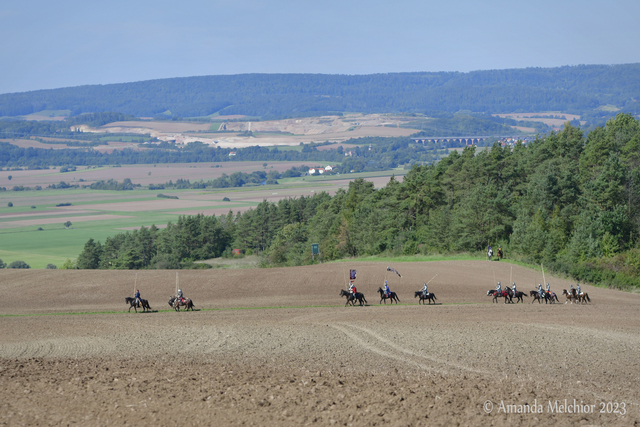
column 566, row 200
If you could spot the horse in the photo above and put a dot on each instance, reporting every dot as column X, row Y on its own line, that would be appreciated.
column 392, row 296
column 552, row 297
column 489, row 254
column 536, row 297
column 583, row 298
column 500, row 254
column 175, row 303
column 502, row 294
column 569, row 296
column 430, row 297
column 351, row 298
column 518, row 295
column 132, row 303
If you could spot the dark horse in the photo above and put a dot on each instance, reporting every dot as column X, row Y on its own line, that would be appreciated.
column 383, row 297
column 518, row 295
column 359, row 296
column 132, row 303
column 430, row 297
column 175, row 303
column 583, row 298
column 502, row 294
column 536, row 296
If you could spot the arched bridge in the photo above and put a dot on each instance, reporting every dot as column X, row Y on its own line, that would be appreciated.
column 468, row 140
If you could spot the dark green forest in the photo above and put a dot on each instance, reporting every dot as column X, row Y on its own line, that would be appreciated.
column 568, row 200
column 571, row 89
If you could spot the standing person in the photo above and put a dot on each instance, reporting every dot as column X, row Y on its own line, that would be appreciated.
column 137, row 297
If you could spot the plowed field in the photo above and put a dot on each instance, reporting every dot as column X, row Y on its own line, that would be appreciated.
column 278, row 347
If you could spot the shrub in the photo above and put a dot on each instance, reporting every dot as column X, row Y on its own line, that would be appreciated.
column 33, row 207
column 164, row 196
column 18, row 264
column 63, row 204
column 39, row 229
column 68, row 265
column 2, row 264
column 10, row 204
column 226, row 199
column 51, row 267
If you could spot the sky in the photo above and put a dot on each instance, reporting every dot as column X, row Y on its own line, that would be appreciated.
column 52, row 44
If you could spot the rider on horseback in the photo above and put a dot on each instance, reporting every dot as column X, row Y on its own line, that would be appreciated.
column 513, row 288
column 540, row 291
column 424, row 290
column 137, row 297
column 387, row 291
column 578, row 289
column 352, row 288
column 180, row 296
column 548, row 289
column 499, row 289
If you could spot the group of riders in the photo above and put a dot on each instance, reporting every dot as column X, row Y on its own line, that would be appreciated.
column 180, row 297
column 541, row 292
column 490, row 252
column 387, row 291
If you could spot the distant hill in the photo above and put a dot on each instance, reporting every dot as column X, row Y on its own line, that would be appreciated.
column 570, row 89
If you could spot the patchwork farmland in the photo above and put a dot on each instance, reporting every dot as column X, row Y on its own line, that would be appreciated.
column 32, row 229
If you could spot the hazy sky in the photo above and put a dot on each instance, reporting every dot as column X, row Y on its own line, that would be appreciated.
column 50, row 44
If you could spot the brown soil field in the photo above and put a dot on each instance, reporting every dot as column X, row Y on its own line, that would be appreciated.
column 139, row 174
column 41, row 221
column 278, row 347
column 29, row 143
column 554, row 123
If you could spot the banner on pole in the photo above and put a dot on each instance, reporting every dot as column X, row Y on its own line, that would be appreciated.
column 393, row 270
column 352, row 275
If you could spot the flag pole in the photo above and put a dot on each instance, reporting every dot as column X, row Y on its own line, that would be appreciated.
column 543, row 278
column 511, row 276
column 432, row 279
column 176, row 283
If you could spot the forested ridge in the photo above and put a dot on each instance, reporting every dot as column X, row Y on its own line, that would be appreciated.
column 567, row 200
column 571, row 89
